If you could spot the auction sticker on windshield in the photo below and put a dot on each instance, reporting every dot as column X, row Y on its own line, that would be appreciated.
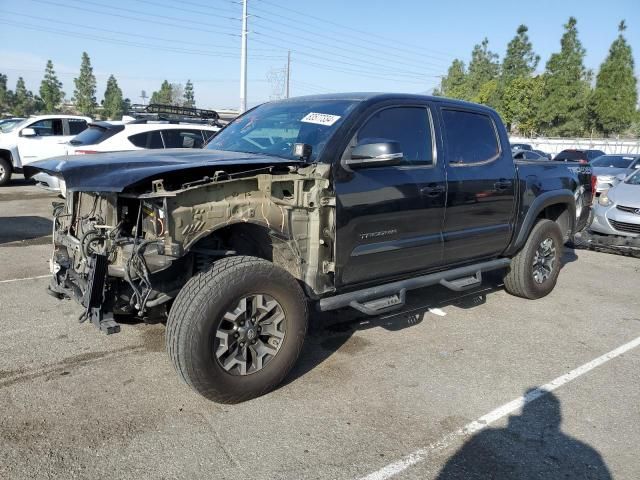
column 321, row 118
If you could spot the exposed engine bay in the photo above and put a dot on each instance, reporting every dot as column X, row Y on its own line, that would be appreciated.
column 131, row 252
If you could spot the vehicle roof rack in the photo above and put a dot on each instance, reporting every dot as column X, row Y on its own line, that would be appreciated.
column 173, row 114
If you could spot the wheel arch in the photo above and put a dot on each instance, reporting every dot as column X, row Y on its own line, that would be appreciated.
column 254, row 238
column 558, row 206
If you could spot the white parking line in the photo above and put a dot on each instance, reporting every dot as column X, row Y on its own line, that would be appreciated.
column 421, row 455
column 25, row 278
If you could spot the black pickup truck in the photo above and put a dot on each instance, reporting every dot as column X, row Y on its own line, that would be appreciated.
column 327, row 201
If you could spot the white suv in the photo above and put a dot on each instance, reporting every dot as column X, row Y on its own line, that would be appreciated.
column 36, row 138
column 103, row 137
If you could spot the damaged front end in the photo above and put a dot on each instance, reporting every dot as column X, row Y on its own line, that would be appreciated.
column 130, row 252
column 107, row 247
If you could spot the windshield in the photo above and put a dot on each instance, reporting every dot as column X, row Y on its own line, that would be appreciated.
column 633, row 179
column 92, row 135
column 613, row 161
column 273, row 128
column 11, row 124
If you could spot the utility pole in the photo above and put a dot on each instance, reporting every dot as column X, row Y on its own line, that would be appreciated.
column 288, row 74
column 243, row 60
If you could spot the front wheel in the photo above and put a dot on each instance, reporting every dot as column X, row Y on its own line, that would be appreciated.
column 5, row 172
column 534, row 270
column 235, row 331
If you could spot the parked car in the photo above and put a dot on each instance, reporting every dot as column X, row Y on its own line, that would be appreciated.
column 607, row 167
column 101, row 137
column 580, row 156
column 6, row 124
column 617, row 211
column 544, row 154
column 529, row 155
column 36, row 138
column 333, row 201
column 520, row 146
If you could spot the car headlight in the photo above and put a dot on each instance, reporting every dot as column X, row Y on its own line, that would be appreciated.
column 63, row 187
column 603, row 199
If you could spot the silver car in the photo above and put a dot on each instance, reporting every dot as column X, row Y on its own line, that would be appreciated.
column 617, row 211
column 607, row 167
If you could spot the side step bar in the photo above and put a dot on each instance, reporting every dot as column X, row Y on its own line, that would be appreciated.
column 391, row 296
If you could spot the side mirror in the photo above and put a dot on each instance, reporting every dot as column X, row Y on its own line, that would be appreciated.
column 28, row 132
column 637, row 166
column 375, row 152
column 621, row 176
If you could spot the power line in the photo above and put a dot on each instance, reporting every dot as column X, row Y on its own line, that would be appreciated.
column 349, row 60
column 117, row 32
column 351, row 30
column 366, row 67
column 394, row 56
column 128, row 17
column 199, row 12
column 359, row 73
column 67, row 33
column 142, row 12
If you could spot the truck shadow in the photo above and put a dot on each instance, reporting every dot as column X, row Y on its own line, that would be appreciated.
column 29, row 229
column 330, row 331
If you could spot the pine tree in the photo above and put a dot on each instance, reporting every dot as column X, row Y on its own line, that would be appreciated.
column 566, row 87
column 189, row 97
column 162, row 96
column 483, row 68
column 23, row 101
column 6, row 95
column 614, row 100
column 51, row 89
column 113, row 103
column 84, row 95
column 454, row 84
column 520, row 101
column 520, row 59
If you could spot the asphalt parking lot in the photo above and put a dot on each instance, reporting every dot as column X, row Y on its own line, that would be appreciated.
column 380, row 397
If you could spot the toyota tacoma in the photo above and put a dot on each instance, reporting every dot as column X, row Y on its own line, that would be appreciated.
column 321, row 202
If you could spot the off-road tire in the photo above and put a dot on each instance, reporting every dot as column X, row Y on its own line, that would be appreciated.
column 520, row 279
column 197, row 313
column 5, row 177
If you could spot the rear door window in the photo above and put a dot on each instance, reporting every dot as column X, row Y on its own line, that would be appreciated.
column 147, row 140
column 76, row 125
column 175, row 138
column 470, row 137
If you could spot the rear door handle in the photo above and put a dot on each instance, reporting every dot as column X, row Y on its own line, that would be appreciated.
column 432, row 190
column 503, row 184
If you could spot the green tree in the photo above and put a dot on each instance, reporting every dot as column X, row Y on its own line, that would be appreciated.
column 189, row 97
column 6, row 95
column 113, row 103
column 566, row 87
column 483, row 68
column 614, row 99
column 84, row 95
column 164, row 95
column 520, row 59
column 520, row 102
column 126, row 105
column 454, row 84
column 51, row 89
column 23, row 102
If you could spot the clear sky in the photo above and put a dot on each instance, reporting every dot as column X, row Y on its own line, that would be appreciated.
column 336, row 45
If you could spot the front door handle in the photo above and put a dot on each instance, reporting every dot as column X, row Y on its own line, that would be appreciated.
column 432, row 190
column 502, row 184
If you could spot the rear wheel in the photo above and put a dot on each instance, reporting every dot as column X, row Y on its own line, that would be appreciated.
column 534, row 270
column 235, row 331
column 5, row 171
